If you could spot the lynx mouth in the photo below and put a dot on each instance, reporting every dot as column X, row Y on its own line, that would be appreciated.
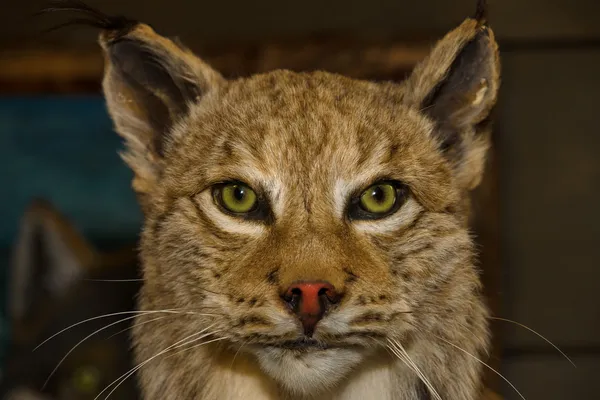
column 304, row 344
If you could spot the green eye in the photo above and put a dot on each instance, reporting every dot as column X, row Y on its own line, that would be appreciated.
column 237, row 198
column 86, row 379
column 378, row 199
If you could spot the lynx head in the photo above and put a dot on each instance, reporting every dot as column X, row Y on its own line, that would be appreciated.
column 306, row 220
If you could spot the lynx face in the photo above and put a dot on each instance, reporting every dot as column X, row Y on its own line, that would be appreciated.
column 309, row 279
column 304, row 224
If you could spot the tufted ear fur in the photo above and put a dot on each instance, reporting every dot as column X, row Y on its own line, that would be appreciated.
column 149, row 84
column 456, row 87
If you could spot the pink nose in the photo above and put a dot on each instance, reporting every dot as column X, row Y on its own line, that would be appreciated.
column 309, row 301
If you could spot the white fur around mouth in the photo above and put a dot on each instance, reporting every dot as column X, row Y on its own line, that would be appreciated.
column 309, row 370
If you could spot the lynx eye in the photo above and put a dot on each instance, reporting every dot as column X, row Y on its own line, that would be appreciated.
column 377, row 201
column 236, row 198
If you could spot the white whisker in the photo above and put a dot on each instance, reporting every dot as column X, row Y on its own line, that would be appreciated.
column 136, row 325
column 112, row 315
column 80, row 342
column 147, row 361
column 197, row 345
column 425, row 379
column 478, row 360
column 131, row 371
column 399, row 350
column 538, row 334
column 236, row 354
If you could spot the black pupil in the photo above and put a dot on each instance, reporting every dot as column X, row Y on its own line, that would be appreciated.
column 378, row 194
column 239, row 193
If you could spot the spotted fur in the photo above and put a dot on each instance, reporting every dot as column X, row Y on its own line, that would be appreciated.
column 306, row 142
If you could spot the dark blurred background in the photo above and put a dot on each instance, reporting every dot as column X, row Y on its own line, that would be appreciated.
column 538, row 211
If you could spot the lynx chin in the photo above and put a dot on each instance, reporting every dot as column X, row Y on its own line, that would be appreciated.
column 310, row 229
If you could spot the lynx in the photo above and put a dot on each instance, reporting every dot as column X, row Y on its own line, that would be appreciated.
column 309, row 230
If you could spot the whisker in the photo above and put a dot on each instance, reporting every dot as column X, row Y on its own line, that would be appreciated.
column 425, row 379
column 478, row 360
column 126, row 374
column 136, row 325
column 80, row 342
column 538, row 334
column 197, row 345
column 115, row 314
column 400, row 356
column 411, row 364
column 132, row 371
column 406, row 361
column 177, row 352
column 532, row 331
column 236, row 354
column 393, row 347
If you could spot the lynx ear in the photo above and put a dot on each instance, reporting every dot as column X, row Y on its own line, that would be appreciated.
column 149, row 84
column 456, row 87
column 49, row 256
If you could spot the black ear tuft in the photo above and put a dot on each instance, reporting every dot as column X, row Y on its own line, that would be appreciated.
column 481, row 12
column 89, row 16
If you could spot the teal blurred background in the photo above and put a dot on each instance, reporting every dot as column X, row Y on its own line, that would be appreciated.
column 63, row 149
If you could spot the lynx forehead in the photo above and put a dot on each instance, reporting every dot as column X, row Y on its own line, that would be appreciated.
column 311, row 227
column 308, row 142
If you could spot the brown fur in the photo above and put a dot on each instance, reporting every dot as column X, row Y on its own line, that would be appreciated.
column 306, row 142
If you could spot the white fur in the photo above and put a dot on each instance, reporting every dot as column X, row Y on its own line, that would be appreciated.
column 334, row 374
column 344, row 188
column 403, row 217
column 310, row 372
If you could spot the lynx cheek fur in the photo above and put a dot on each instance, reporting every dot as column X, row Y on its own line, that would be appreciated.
column 305, row 297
